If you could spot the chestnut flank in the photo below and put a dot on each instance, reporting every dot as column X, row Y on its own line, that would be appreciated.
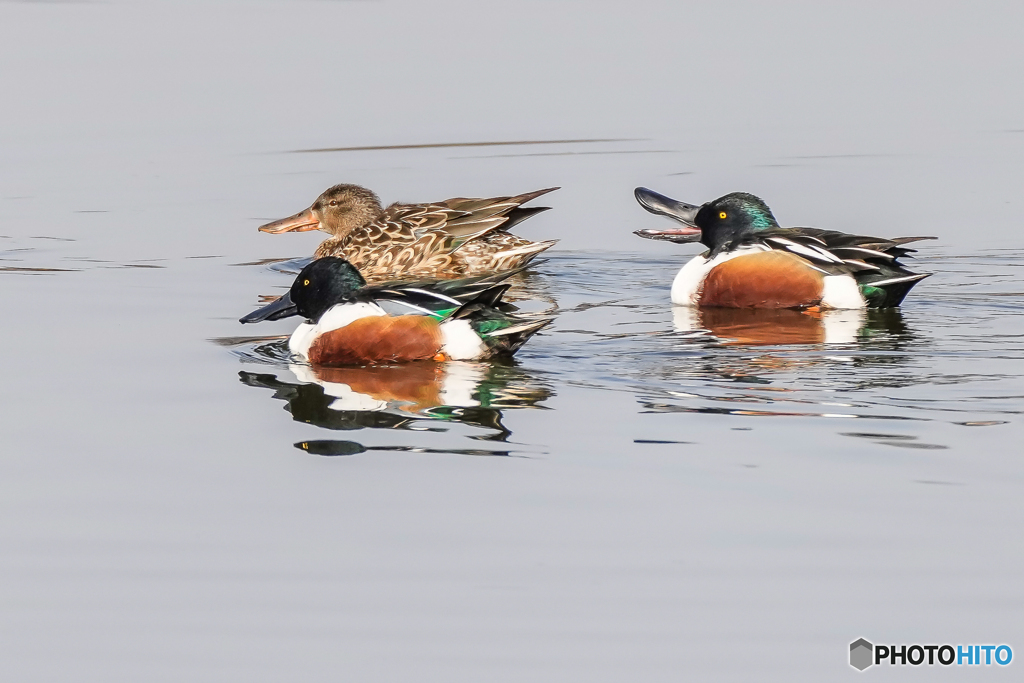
column 378, row 339
column 769, row 279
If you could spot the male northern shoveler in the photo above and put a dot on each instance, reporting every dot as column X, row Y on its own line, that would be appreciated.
column 348, row 323
column 453, row 238
column 751, row 262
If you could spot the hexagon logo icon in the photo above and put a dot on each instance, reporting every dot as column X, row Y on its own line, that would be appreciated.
column 861, row 654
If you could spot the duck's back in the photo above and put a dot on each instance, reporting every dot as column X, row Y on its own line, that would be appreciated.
column 455, row 238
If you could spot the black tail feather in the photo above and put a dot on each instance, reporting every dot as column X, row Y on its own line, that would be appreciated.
column 890, row 293
column 507, row 341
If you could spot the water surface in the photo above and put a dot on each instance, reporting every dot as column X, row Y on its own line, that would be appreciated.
column 644, row 493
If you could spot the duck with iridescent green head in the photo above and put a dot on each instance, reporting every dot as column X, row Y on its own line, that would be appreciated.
column 753, row 262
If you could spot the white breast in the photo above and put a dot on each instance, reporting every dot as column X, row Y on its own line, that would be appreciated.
column 686, row 287
column 335, row 318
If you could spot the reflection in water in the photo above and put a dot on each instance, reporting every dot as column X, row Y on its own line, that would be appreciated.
column 818, row 364
column 403, row 396
column 760, row 326
column 898, row 440
column 863, row 338
column 656, row 407
column 885, row 328
column 441, row 145
column 329, row 447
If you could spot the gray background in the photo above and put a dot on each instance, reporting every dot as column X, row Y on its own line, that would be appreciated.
column 156, row 522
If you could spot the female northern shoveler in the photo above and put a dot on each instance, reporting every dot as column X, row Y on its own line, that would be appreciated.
column 454, row 238
column 754, row 263
column 348, row 323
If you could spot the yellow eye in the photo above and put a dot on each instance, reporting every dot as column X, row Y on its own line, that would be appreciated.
column 306, row 282
column 722, row 214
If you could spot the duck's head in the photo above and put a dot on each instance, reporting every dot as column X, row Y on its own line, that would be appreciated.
column 714, row 224
column 338, row 211
column 319, row 286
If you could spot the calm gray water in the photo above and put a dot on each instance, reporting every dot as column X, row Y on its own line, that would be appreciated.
column 642, row 494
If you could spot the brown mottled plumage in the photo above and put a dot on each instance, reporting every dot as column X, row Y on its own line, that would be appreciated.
column 453, row 238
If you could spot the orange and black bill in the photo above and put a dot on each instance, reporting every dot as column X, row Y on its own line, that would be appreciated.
column 681, row 212
column 300, row 222
column 275, row 310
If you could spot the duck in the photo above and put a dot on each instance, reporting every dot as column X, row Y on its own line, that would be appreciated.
column 454, row 238
column 753, row 262
column 348, row 322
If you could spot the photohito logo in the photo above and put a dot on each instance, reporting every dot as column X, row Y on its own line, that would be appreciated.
column 863, row 654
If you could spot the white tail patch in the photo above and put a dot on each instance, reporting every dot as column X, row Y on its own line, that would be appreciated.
column 461, row 342
column 841, row 291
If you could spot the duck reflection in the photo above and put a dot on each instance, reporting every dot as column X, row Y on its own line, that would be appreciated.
column 732, row 373
column 767, row 327
column 333, row 447
column 403, row 396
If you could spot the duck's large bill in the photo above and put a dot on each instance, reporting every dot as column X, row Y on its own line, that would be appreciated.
column 300, row 222
column 275, row 310
column 666, row 206
column 671, row 235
